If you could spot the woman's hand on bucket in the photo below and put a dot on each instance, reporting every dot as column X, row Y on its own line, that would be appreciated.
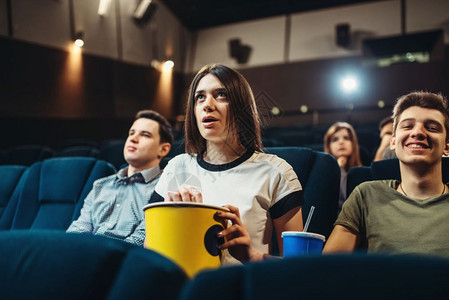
column 184, row 194
column 238, row 241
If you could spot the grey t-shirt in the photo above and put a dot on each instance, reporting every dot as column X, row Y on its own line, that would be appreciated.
column 388, row 153
column 391, row 222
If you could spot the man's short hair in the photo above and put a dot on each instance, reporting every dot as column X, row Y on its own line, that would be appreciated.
column 165, row 128
column 423, row 100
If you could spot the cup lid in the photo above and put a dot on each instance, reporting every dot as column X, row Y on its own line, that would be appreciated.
column 303, row 234
column 184, row 204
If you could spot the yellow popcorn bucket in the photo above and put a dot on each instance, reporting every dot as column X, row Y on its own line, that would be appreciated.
column 185, row 232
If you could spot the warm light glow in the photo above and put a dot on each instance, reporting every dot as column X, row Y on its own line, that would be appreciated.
column 79, row 43
column 168, row 65
column 164, row 92
column 304, row 109
column 73, row 69
column 349, row 84
column 68, row 99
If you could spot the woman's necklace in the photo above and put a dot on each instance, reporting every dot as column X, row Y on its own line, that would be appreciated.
column 400, row 185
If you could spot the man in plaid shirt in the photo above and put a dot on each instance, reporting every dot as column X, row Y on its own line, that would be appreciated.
column 114, row 206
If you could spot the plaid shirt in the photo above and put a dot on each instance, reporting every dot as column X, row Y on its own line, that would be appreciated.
column 114, row 206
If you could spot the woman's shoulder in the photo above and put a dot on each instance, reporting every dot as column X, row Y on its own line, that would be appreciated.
column 271, row 160
column 181, row 159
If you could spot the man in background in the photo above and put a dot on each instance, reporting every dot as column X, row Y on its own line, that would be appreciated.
column 386, row 132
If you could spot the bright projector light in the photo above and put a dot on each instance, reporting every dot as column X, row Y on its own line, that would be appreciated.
column 349, row 84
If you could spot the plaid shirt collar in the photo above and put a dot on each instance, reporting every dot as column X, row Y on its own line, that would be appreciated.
column 144, row 176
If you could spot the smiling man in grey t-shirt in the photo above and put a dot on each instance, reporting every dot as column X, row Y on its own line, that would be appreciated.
column 408, row 216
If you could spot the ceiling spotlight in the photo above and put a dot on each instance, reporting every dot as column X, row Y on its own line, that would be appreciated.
column 168, row 65
column 304, row 109
column 162, row 66
column 78, row 39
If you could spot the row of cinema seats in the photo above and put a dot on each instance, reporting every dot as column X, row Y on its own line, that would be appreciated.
column 32, row 197
column 25, row 155
column 354, row 276
column 39, row 260
column 40, row 201
column 49, row 194
column 112, row 150
column 55, row 265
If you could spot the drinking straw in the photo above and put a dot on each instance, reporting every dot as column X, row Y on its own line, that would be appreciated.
column 308, row 218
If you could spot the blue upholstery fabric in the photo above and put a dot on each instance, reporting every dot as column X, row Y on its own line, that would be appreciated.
column 383, row 169
column 112, row 152
column 57, row 265
column 78, row 142
column 354, row 276
column 54, row 191
column 319, row 175
column 10, row 184
column 27, row 155
column 88, row 151
column 357, row 175
column 178, row 147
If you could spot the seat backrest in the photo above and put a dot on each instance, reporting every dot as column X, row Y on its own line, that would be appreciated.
column 88, row 151
column 319, row 175
column 112, row 152
column 57, row 265
column 78, row 142
column 357, row 175
column 354, row 276
column 27, row 155
column 379, row 170
column 10, row 184
column 54, row 190
column 178, row 147
column 384, row 169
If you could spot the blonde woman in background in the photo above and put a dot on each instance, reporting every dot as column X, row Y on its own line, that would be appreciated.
column 341, row 142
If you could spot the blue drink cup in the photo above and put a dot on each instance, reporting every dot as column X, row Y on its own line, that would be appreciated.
column 299, row 243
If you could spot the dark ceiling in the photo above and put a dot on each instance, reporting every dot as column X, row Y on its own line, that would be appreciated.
column 200, row 14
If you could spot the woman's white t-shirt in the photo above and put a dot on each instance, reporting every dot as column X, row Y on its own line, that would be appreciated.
column 263, row 187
